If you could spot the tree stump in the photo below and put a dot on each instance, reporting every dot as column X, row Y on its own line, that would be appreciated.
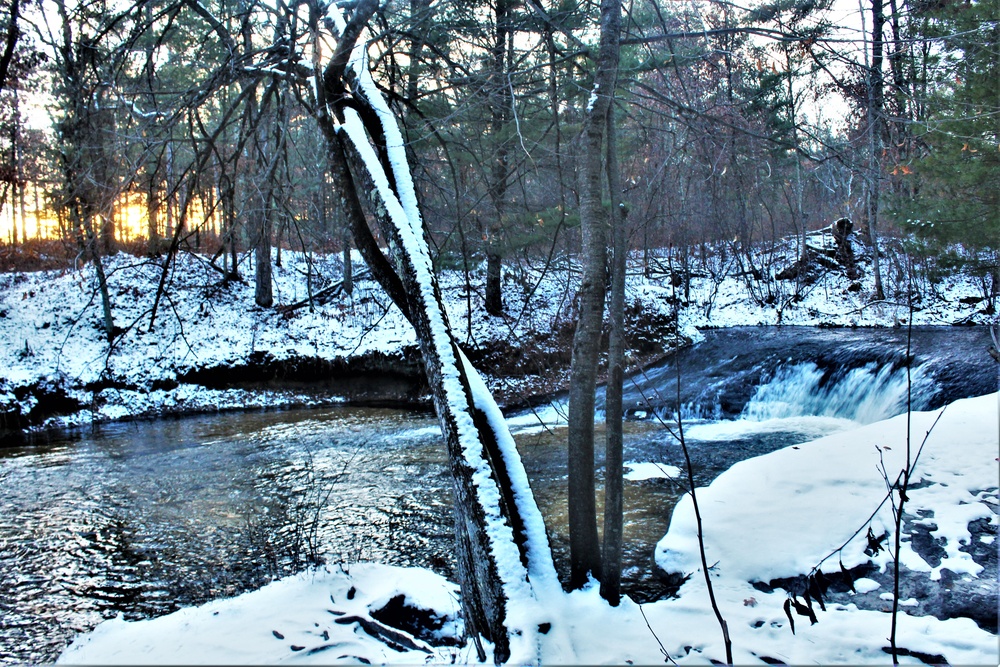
column 844, row 255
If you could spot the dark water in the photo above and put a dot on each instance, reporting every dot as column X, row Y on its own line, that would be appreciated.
column 719, row 376
column 144, row 518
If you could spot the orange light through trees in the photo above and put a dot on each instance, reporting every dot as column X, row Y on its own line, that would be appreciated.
column 37, row 221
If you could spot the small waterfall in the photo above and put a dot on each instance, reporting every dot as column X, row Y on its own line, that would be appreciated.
column 690, row 412
column 864, row 394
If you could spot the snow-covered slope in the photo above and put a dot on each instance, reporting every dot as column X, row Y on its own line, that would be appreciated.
column 57, row 368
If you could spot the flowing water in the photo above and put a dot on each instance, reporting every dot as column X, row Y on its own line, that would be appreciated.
column 142, row 518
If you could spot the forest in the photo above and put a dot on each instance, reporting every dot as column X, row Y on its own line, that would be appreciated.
column 163, row 127
column 593, row 178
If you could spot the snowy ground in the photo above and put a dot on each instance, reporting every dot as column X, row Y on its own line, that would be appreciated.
column 779, row 515
column 57, row 368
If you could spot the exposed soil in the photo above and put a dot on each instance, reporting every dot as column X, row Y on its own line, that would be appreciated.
column 44, row 400
column 375, row 379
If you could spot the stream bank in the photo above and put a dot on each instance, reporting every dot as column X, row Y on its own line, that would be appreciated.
column 519, row 372
column 57, row 368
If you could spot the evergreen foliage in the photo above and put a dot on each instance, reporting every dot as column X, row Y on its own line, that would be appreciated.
column 954, row 198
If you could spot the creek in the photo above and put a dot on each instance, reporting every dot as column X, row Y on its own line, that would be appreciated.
column 142, row 518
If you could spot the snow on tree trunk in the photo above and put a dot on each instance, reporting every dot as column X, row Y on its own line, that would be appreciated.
column 504, row 561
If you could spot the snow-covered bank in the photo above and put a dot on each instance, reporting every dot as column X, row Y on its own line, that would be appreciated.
column 58, row 369
column 778, row 515
column 54, row 349
column 956, row 470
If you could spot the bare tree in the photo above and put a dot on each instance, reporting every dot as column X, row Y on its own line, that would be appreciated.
column 585, row 554
column 88, row 196
column 614, row 487
column 875, row 128
column 13, row 33
column 499, row 90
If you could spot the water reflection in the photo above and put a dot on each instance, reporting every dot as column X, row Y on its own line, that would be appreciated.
column 144, row 518
column 147, row 517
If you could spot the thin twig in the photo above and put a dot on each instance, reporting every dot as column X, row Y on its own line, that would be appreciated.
column 907, row 469
column 663, row 650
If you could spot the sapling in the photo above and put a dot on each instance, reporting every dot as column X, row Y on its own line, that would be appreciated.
column 902, row 484
column 896, row 495
column 679, row 436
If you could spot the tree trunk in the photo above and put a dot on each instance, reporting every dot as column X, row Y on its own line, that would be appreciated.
column 348, row 281
column 502, row 552
column 10, row 41
column 260, row 223
column 479, row 467
column 227, row 200
column 168, row 200
column 23, row 209
column 80, row 211
column 37, row 213
column 152, row 158
column 22, row 182
column 152, row 217
column 102, row 284
column 494, row 285
column 263, row 296
column 585, row 555
column 876, row 129
column 12, row 238
column 500, row 103
column 262, row 211
column 82, row 163
column 614, row 486
column 420, row 20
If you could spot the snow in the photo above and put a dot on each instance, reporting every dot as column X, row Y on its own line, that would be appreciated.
column 593, row 98
column 50, row 324
column 638, row 472
column 780, row 515
column 522, row 614
column 283, row 622
column 844, row 466
column 762, row 521
column 541, row 567
column 806, row 501
column 865, row 585
column 206, row 324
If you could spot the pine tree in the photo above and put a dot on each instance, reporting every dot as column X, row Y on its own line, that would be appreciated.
column 955, row 199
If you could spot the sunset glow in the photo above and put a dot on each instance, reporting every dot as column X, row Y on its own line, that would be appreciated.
column 38, row 222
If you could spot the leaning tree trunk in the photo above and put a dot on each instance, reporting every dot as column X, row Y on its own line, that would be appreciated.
column 504, row 562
